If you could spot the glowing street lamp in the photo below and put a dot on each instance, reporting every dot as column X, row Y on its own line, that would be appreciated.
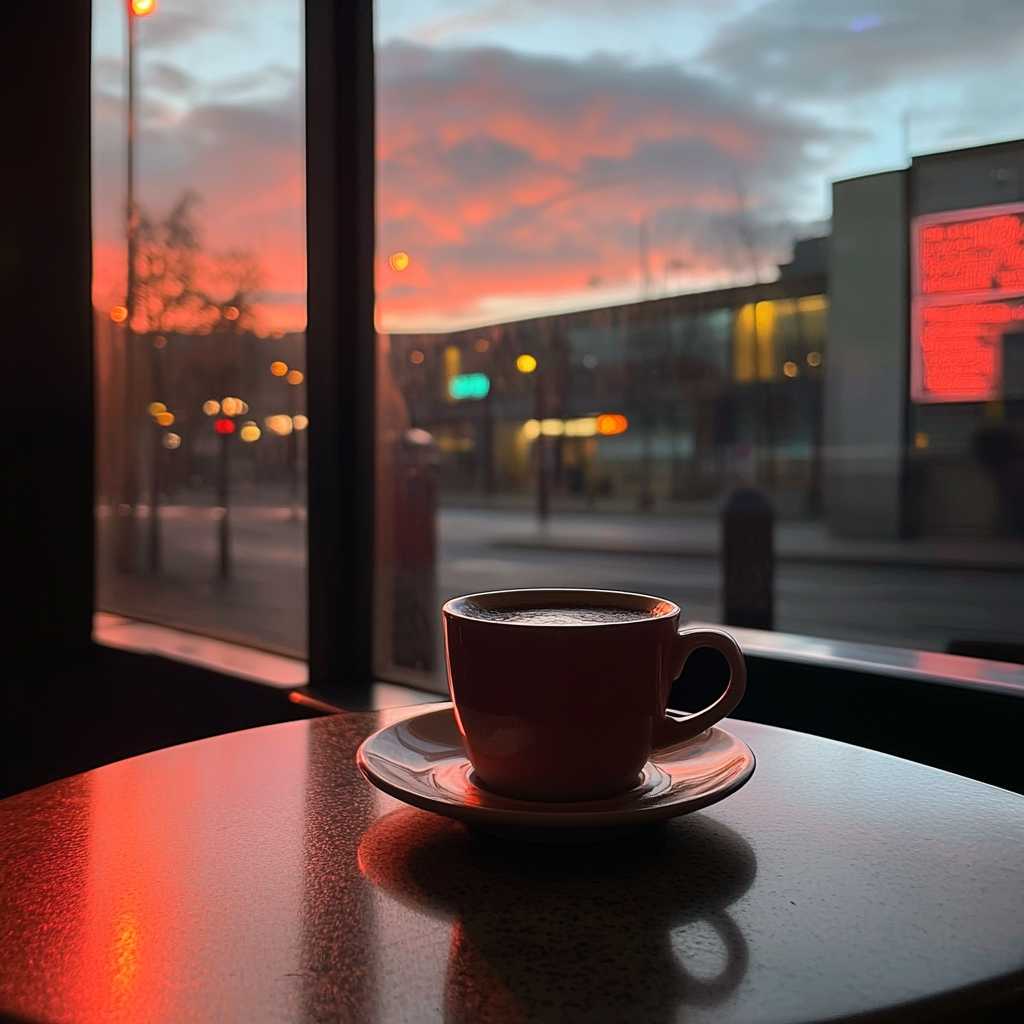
column 126, row 558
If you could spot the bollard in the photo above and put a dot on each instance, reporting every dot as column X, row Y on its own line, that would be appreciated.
column 748, row 560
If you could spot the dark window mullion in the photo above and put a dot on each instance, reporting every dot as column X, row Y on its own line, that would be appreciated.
column 340, row 343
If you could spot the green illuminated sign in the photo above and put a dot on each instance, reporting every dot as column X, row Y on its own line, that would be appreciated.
column 469, row 385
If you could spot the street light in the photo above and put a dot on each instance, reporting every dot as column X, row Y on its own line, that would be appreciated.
column 126, row 554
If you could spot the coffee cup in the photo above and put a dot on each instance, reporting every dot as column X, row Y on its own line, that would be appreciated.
column 561, row 695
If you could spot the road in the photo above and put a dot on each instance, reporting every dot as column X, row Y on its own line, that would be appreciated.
column 912, row 605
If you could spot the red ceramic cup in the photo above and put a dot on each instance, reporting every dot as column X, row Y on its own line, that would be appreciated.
column 573, row 712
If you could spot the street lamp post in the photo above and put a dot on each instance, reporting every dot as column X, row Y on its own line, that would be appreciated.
column 128, row 506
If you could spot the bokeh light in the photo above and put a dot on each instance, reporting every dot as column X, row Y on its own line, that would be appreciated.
column 249, row 432
column 531, row 430
column 416, row 356
column 526, row 363
column 211, row 408
column 143, row 8
column 790, row 369
column 172, row 441
column 119, row 314
column 233, row 407
column 231, row 313
column 583, row 426
column 155, row 408
column 278, row 369
column 611, row 423
column 469, row 385
column 300, row 422
column 399, row 261
column 159, row 341
column 294, row 377
column 814, row 359
column 165, row 419
column 280, row 425
column 481, row 344
column 224, row 426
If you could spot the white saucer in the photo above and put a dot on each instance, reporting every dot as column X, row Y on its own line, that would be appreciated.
column 423, row 762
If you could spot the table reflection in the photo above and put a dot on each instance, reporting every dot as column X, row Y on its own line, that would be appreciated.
column 572, row 932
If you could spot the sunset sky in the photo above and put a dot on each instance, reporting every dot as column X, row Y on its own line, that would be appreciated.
column 525, row 146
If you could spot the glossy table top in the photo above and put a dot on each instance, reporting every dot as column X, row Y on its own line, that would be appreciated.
column 257, row 877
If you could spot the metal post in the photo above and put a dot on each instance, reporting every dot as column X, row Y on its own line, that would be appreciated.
column 224, row 508
column 128, row 505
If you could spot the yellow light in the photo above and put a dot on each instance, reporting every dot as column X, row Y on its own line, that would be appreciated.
column 790, row 369
column 611, row 423
column 552, row 428
column 119, row 314
column 172, row 441
column 231, row 313
column 585, row 426
column 278, row 369
column 812, row 303
column 143, row 8
column 300, row 422
column 165, row 419
column 481, row 344
column 399, row 261
column 294, row 377
column 211, row 408
column 280, row 425
column 921, row 440
column 233, row 407
column 814, row 359
column 249, row 432
column 155, row 408
column 531, row 430
column 526, row 363
column 416, row 356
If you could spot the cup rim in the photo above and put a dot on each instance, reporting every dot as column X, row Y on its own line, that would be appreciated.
column 573, row 595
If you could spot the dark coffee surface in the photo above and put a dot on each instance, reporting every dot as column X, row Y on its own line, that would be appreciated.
column 562, row 615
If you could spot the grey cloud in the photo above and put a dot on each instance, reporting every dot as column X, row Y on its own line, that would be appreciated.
column 495, row 159
column 811, row 49
column 174, row 28
column 168, row 79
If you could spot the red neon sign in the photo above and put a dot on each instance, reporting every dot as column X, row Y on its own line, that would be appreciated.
column 968, row 277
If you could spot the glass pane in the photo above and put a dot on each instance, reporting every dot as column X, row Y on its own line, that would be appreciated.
column 199, row 292
column 628, row 261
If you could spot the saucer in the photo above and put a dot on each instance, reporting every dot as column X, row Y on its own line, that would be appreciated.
column 423, row 762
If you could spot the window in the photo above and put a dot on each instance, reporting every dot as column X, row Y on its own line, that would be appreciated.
column 630, row 262
column 199, row 295
column 625, row 265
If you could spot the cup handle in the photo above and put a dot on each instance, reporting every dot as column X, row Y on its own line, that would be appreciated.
column 678, row 727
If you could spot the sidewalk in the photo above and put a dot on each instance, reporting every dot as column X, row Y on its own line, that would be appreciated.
column 699, row 538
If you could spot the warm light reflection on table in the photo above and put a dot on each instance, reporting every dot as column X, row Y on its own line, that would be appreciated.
column 257, row 877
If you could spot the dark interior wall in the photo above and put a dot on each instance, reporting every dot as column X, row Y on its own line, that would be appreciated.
column 46, row 414
column 72, row 718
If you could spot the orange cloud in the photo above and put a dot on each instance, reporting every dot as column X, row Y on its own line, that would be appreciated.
column 517, row 180
column 515, row 183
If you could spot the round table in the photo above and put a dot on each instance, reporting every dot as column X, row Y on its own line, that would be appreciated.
column 257, row 877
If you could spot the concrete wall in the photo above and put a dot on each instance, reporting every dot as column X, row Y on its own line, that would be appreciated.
column 866, row 357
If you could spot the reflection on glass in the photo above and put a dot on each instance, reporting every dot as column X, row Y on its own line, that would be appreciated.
column 608, row 295
column 199, row 290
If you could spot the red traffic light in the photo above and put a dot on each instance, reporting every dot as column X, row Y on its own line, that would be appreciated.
column 224, row 426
